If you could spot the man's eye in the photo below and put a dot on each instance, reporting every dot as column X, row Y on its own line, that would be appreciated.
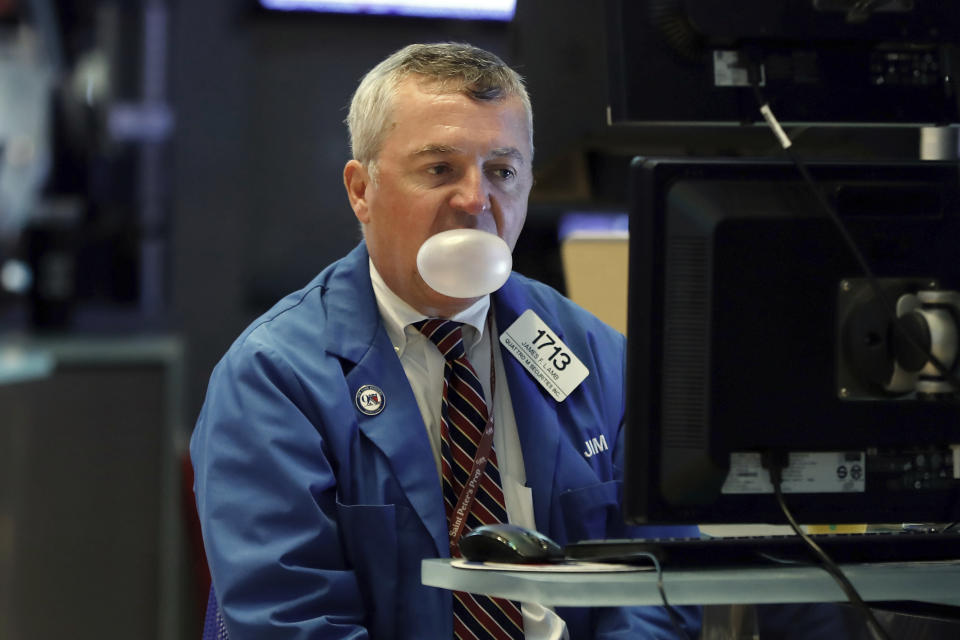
column 438, row 169
column 505, row 173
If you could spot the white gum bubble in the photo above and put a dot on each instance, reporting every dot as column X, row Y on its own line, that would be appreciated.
column 464, row 263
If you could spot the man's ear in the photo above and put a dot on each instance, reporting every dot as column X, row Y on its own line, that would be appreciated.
column 356, row 179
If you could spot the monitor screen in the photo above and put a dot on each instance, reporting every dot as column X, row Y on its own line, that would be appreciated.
column 454, row 9
column 753, row 334
column 818, row 61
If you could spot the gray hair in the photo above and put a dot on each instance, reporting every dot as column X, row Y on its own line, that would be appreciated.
column 453, row 67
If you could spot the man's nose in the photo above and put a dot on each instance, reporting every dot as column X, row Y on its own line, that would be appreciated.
column 472, row 193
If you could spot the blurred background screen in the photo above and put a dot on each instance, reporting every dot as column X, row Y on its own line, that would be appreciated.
column 456, row 9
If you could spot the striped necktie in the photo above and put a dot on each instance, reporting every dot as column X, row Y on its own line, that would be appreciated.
column 463, row 419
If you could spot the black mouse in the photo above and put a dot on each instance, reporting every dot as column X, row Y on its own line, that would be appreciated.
column 509, row 543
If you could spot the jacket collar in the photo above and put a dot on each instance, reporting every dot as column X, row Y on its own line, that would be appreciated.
column 352, row 316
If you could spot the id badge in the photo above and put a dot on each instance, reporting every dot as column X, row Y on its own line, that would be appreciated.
column 544, row 355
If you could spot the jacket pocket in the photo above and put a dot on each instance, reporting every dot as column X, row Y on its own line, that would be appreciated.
column 369, row 537
column 589, row 511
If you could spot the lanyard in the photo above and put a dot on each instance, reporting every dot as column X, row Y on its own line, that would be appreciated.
column 469, row 492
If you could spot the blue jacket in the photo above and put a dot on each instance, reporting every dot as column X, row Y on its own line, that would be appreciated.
column 316, row 516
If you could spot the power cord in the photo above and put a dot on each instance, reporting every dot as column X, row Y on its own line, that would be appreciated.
column 671, row 612
column 826, row 561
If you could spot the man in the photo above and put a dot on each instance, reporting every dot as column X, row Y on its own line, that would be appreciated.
column 326, row 453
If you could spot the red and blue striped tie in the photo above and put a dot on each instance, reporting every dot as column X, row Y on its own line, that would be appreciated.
column 463, row 418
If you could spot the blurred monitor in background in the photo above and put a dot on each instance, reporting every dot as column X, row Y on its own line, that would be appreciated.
column 453, row 9
column 827, row 62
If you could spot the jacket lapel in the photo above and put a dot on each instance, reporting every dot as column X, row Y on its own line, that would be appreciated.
column 357, row 335
column 534, row 409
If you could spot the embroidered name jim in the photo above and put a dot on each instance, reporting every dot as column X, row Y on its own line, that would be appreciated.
column 595, row 446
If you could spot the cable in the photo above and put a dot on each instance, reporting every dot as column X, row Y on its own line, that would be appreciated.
column 888, row 308
column 784, row 561
column 674, row 616
column 826, row 561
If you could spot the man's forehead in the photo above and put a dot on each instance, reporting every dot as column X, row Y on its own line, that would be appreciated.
column 422, row 113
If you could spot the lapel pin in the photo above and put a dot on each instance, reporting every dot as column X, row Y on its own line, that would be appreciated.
column 370, row 400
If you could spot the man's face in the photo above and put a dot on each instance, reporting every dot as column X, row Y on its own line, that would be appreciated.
column 447, row 162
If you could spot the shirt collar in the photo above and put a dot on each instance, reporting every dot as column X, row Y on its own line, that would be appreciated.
column 397, row 314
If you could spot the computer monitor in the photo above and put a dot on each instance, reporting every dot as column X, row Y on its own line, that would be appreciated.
column 826, row 62
column 753, row 332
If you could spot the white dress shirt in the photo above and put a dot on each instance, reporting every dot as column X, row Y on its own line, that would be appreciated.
column 424, row 365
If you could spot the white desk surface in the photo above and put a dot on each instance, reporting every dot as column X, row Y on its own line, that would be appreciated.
column 934, row 582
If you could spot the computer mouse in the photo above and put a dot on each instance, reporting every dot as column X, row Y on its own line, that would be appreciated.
column 510, row 544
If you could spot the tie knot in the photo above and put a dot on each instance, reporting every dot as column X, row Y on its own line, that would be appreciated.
column 446, row 334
